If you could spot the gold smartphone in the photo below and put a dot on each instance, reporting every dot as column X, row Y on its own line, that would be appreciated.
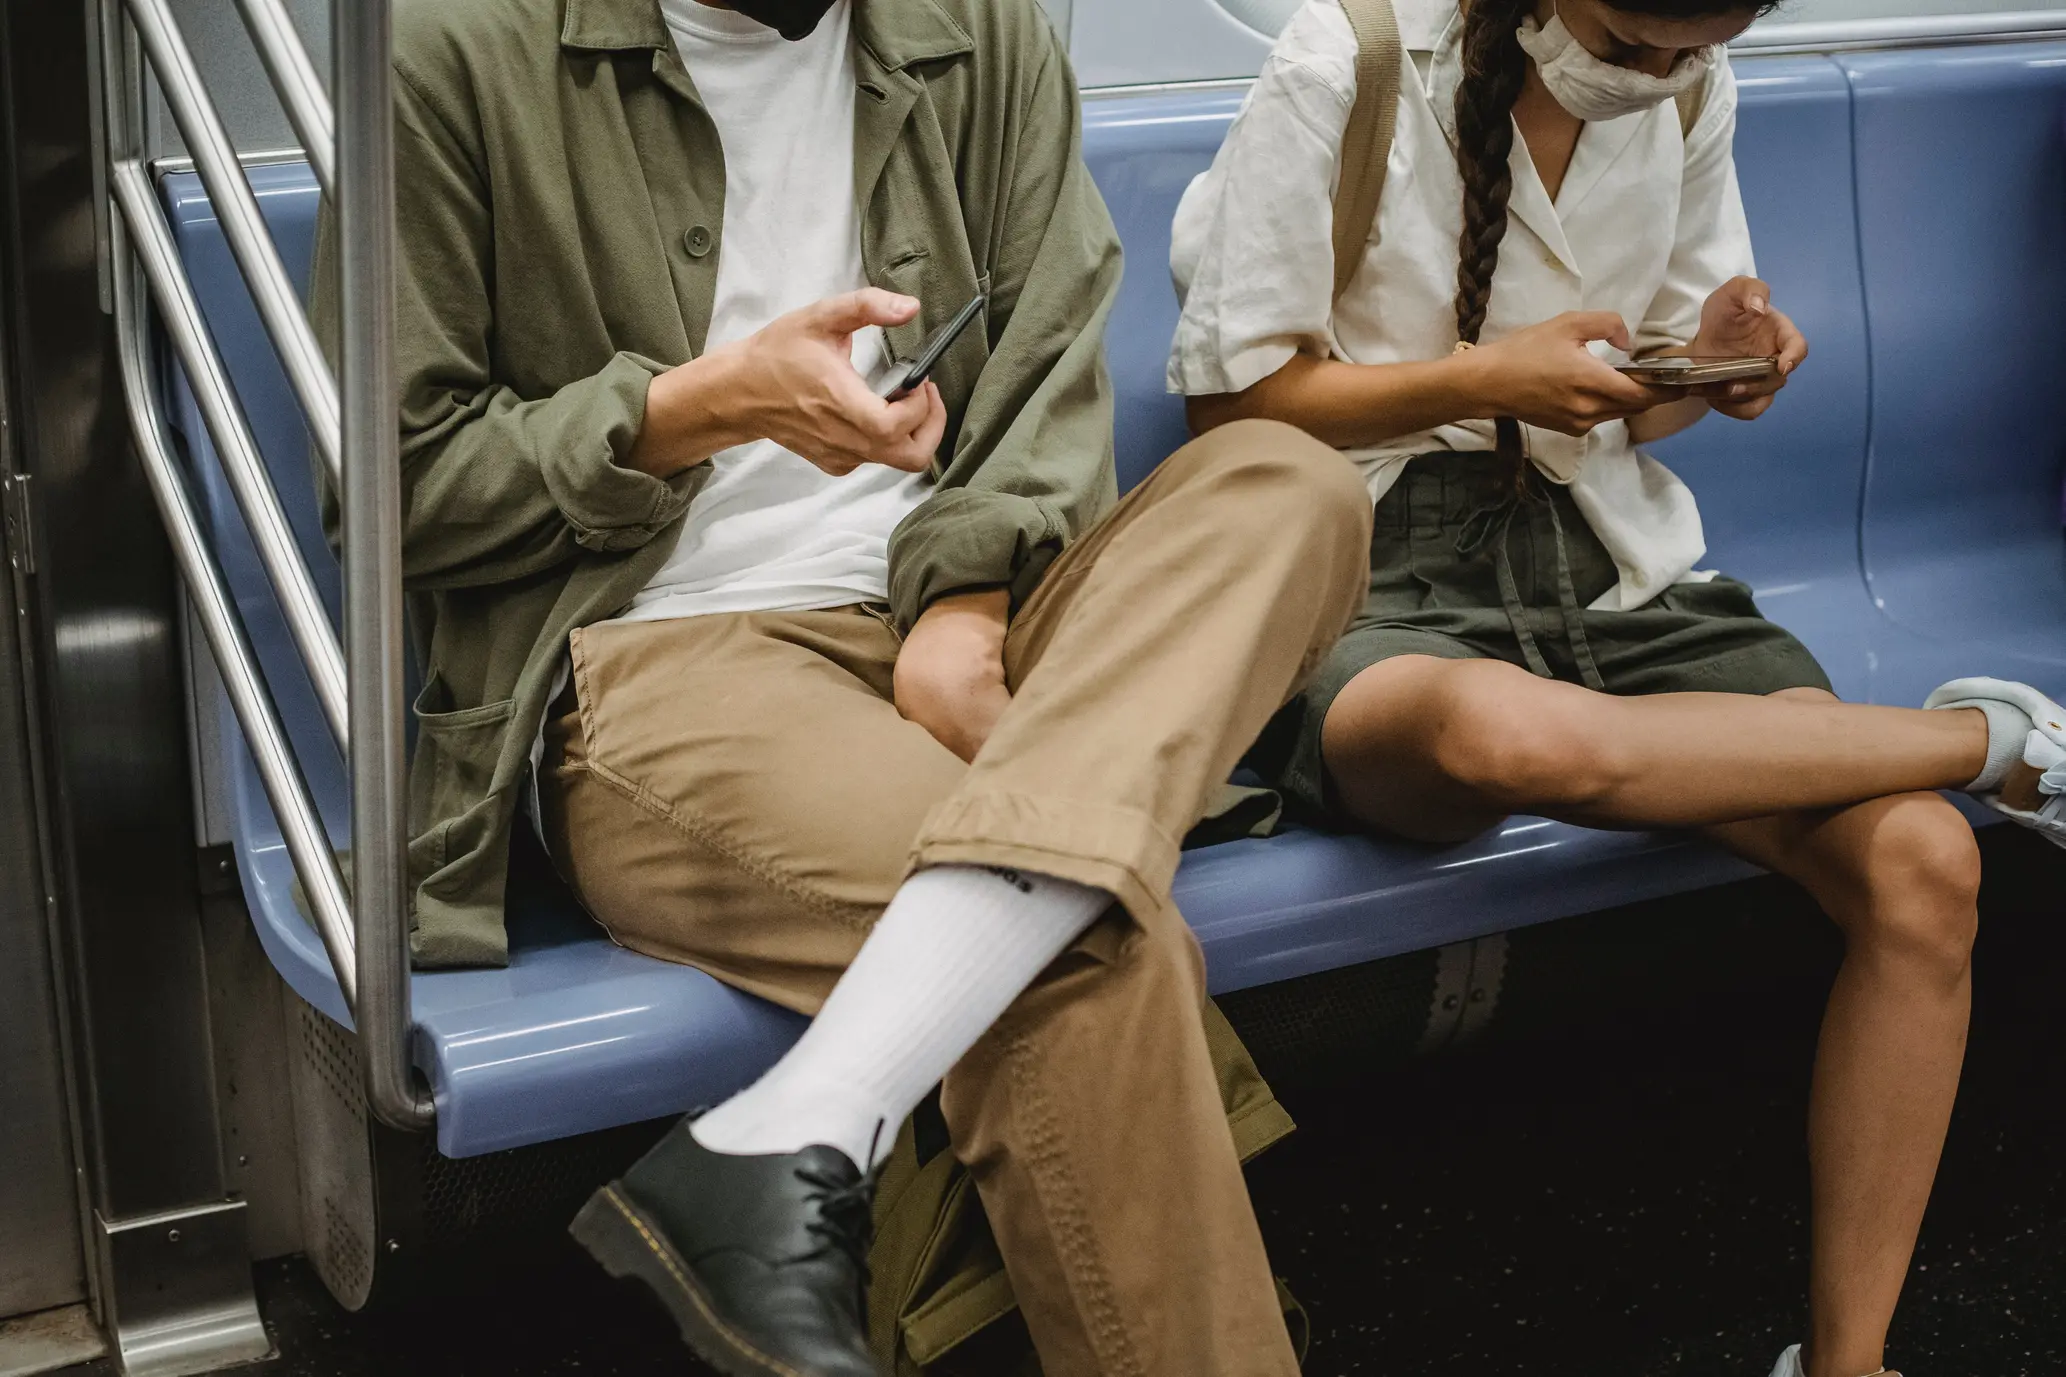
column 1692, row 372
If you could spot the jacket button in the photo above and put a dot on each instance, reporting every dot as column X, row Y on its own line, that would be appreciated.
column 697, row 241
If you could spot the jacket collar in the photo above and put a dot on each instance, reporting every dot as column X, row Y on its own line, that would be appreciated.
column 898, row 32
column 613, row 25
column 1440, row 26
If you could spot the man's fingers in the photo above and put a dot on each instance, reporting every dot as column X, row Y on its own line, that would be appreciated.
column 934, row 428
column 906, row 414
column 915, row 452
column 843, row 315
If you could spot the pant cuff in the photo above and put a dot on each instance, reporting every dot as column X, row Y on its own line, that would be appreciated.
column 1119, row 850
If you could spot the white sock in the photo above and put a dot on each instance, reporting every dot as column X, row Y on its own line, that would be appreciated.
column 2008, row 728
column 954, row 948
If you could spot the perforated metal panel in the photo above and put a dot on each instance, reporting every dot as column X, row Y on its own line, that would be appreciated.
column 385, row 1213
column 523, row 1195
column 339, row 1219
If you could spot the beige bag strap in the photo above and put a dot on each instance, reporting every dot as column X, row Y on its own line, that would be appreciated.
column 1366, row 144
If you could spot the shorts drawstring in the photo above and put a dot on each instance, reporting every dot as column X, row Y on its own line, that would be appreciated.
column 1492, row 525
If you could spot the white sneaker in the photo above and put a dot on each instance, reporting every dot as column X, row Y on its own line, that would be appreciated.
column 1790, row 1363
column 2025, row 778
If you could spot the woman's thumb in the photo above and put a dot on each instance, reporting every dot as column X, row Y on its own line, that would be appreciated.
column 1750, row 296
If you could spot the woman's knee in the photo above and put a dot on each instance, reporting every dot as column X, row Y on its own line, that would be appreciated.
column 1503, row 732
column 1908, row 887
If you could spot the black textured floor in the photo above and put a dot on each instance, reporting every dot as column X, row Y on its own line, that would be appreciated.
column 1621, row 1194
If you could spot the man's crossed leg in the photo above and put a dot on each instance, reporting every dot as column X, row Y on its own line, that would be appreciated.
column 740, row 793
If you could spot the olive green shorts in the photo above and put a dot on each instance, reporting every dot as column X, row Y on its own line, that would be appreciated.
column 1436, row 589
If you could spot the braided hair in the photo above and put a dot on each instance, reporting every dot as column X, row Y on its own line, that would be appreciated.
column 1494, row 70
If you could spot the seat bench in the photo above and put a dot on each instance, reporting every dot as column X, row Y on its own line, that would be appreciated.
column 578, row 1034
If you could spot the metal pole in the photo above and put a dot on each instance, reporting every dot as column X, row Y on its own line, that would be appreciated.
column 301, row 90
column 302, row 607
column 216, row 160
column 301, row 826
column 373, row 557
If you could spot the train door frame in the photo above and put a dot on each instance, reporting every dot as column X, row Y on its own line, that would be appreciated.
column 165, row 1243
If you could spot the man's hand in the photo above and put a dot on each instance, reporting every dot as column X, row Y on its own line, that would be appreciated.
column 1739, row 321
column 1546, row 376
column 793, row 382
column 950, row 673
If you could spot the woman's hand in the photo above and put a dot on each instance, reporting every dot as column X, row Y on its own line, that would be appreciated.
column 1739, row 321
column 950, row 672
column 1546, row 376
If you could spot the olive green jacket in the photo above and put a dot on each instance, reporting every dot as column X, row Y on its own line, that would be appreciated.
column 560, row 208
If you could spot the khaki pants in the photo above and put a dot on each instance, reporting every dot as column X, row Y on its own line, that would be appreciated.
column 739, row 793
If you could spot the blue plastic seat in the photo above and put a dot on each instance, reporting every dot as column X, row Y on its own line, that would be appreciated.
column 577, row 1035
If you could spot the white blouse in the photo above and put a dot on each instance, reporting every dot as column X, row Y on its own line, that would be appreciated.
column 1647, row 223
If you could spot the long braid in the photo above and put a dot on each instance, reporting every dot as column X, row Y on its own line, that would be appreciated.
column 1494, row 70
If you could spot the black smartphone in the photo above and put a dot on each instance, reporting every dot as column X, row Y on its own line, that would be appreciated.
column 905, row 378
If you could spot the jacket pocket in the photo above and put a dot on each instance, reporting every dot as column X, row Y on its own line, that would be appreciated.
column 456, row 753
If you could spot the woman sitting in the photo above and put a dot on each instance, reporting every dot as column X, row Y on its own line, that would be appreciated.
column 1537, row 637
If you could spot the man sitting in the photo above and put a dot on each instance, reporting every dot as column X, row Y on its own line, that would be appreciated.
column 877, row 709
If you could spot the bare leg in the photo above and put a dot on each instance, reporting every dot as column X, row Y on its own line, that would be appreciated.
column 1900, row 876
column 1824, row 792
column 1441, row 749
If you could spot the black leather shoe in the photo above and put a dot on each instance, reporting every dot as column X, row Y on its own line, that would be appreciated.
column 762, row 1261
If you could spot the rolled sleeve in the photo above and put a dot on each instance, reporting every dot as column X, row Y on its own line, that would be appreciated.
column 1255, row 270
column 968, row 538
column 583, row 437
column 496, row 485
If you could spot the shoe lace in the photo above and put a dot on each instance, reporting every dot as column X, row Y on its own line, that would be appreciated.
column 845, row 1223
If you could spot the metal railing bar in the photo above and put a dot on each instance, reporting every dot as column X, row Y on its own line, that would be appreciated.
column 373, row 613
column 279, row 306
column 301, row 91
column 301, row 827
column 170, row 163
column 307, row 620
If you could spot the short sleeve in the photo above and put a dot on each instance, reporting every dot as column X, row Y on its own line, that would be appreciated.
column 1252, row 251
column 1712, row 243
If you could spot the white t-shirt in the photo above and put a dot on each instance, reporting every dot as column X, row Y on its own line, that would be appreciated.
column 769, row 531
column 1649, row 220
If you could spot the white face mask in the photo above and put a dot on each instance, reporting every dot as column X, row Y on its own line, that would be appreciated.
column 1593, row 89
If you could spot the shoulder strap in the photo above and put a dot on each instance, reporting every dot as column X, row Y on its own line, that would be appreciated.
column 1367, row 143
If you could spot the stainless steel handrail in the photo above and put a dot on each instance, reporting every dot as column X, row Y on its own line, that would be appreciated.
column 373, row 555
column 301, row 827
column 301, row 90
column 365, row 929
column 230, row 192
column 302, row 606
